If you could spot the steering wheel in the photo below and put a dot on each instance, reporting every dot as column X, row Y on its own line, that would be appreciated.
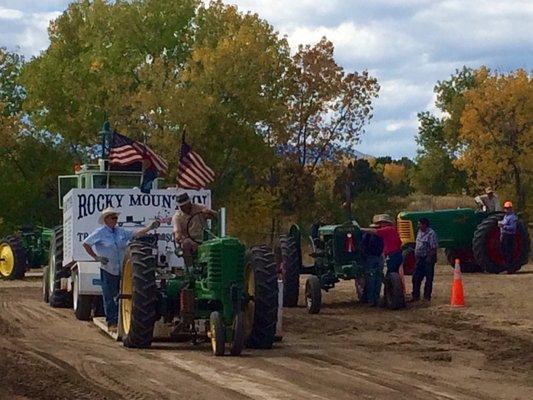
column 189, row 225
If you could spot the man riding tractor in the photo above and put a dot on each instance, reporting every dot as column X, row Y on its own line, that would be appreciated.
column 188, row 225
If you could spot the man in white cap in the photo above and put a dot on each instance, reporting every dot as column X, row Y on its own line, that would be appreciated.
column 107, row 245
column 188, row 224
column 489, row 201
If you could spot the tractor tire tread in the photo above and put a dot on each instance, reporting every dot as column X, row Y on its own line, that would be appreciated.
column 263, row 331
column 291, row 279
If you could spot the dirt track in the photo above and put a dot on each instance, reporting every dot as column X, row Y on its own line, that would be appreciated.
column 346, row 352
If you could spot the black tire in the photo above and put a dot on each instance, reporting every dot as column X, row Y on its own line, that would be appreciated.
column 57, row 297
column 313, row 294
column 144, row 297
column 218, row 334
column 361, row 289
column 82, row 304
column 14, row 245
column 287, row 253
column 394, row 292
column 486, row 248
column 466, row 258
column 262, row 332
column 239, row 337
column 45, row 288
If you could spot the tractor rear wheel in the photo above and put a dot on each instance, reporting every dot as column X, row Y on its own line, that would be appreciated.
column 238, row 339
column 12, row 258
column 466, row 258
column 57, row 297
column 287, row 257
column 261, row 288
column 487, row 249
column 138, row 295
column 82, row 304
column 394, row 292
column 313, row 294
column 217, row 332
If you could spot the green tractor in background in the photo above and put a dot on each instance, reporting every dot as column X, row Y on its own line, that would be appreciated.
column 229, row 295
column 337, row 256
column 471, row 236
column 24, row 250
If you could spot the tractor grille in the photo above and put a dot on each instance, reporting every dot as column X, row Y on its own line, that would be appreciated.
column 225, row 261
column 406, row 231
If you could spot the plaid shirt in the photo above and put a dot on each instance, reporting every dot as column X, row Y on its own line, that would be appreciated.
column 426, row 243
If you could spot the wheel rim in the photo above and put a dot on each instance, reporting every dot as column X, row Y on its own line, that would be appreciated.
column 308, row 299
column 214, row 343
column 127, row 292
column 51, row 274
column 249, row 310
column 7, row 259
column 75, row 291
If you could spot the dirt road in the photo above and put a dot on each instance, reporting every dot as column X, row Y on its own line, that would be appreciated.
column 348, row 351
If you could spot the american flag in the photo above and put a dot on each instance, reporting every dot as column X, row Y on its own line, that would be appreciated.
column 125, row 151
column 193, row 173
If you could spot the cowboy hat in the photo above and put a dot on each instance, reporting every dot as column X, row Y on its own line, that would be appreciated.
column 382, row 218
column 488, row 190
column 105, row 213
column 183, row 199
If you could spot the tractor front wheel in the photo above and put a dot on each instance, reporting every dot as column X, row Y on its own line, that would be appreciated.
column 288, row 259
column 313, row 294
column 138, row 295
column 261, row 289
column 55, row 272
column 394, row 292
column 238, row 339
column 12, row 258
column 466, row 258
column 217, row 331
column 82, row 304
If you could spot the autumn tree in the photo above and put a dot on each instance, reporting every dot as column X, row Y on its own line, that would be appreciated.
column 437, row 137
column 496, row 133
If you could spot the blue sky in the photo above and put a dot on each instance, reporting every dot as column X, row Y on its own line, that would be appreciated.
column 407, row 44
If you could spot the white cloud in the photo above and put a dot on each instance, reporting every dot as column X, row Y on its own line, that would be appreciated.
column 9, row 13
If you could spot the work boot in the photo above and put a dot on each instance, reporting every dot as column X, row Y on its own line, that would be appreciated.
column 112, row 328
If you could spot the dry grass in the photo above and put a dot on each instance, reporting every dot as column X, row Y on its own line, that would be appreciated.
column 419, row 202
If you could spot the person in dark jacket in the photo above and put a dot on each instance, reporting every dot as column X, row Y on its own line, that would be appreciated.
column 372, row 249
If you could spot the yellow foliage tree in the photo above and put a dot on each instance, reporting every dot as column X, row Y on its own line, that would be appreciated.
column 394, row 173
column 497, row 132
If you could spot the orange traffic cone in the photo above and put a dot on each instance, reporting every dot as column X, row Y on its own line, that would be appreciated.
column 458, row 297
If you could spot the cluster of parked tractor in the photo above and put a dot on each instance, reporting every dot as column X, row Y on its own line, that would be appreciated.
column 231, row 295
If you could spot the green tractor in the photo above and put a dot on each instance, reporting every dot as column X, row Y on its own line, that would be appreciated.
column 24, row 250
column 337, row 256
column 471, row 236
column 228, row 296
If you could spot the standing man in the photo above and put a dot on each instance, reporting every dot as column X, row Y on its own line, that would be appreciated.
column 188, row 225
column 507, row 235
column 372, row 249
column 489, row 201
column 426, row 258
column 107, row 245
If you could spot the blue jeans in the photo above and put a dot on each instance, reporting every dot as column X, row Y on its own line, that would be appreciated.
column 374, row 275
column 425, row 268
column 394, row 261
column 110, row 289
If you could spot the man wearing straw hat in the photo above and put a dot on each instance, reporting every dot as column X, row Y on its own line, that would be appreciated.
column 489, row 201
column 107, row 245
column 188, row 225
column 391, row 240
